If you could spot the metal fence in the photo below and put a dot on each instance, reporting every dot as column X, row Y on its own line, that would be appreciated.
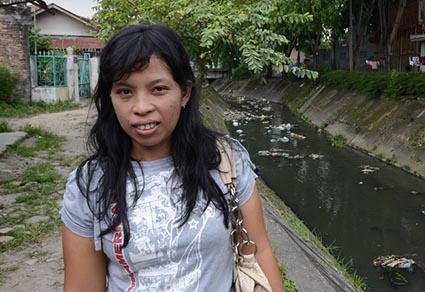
column 51, row 70
column 84, row 75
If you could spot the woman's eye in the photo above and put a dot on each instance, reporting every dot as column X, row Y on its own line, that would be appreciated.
column 159, row 89
column 123, row 91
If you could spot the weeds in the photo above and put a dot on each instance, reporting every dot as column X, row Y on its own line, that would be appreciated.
column 288, row 284
column 44, row 141
column 338, row 140
column 21, row 109
column 37, row 196
column 4, row 127
column 41, row 173
column 375, row 84
column 4, row 271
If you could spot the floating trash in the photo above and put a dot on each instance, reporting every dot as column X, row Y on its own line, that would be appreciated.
column 315, row 156
column 392, row 266
column 282, row 127
column 274, row 152
column 283, row 140
column 367, row 169
column 239, row 131
column 264, row 153
column 235, row 123
column 297, row 136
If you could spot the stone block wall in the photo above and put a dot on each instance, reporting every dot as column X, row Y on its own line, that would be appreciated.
column 15, row 24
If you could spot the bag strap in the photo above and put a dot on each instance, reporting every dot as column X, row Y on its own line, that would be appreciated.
column 227, row 169
column 227, row 166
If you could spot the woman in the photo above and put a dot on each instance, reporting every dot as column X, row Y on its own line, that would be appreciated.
column 148, row 210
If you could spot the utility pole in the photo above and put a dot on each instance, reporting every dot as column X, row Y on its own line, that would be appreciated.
column 350, row 41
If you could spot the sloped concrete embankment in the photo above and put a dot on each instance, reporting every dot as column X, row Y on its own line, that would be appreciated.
column 391, row 130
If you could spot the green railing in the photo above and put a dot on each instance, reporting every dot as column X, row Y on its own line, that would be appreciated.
column 84, row 75
column 51, row 71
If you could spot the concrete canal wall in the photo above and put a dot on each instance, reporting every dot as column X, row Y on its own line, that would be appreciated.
column 391, row 130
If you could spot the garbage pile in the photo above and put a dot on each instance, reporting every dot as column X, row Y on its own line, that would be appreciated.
column 392, row 267
column 249, row 109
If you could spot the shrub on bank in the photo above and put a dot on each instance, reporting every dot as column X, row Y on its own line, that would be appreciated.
column 8, row 81
column 375, row 84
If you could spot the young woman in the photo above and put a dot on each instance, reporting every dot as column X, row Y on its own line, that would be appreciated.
column 148, row 210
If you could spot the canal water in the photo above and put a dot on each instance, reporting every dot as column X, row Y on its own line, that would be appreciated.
column 364, row 215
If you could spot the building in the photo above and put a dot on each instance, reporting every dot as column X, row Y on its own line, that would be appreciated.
column 407, row 48
column 66, row 29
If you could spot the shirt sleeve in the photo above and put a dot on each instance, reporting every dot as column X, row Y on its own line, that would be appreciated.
column 246, row 176
column 75, row 212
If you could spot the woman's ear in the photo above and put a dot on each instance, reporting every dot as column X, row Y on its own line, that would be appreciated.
column 186, row 95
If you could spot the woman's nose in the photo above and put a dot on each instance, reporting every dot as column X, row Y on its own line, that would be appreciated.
column 143, row 104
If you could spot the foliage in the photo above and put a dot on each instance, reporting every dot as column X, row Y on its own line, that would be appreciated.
column 43, row 141
column 289, row 285
column 4, row 127
column 38, row 188
column 216, row 33
column 36, row 39
column 338, row 141
column 76, row 50
column 326, row 26
column 21, row 109
column 242, row 73
column 374, row 84
column 8, row 81
column 41, row 173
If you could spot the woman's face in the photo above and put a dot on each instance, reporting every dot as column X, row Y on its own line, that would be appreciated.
column 148, row 105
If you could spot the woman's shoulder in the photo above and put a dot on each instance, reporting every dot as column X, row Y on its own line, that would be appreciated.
column 88, row 170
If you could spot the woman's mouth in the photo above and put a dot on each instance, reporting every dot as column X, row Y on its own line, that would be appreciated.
column 145, row 127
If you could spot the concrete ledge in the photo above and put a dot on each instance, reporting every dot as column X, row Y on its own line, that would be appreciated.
column 10, row 138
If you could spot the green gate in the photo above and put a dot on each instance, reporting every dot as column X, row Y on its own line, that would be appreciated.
column 84, row 75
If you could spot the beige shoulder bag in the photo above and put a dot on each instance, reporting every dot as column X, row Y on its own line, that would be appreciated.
column 247, row 273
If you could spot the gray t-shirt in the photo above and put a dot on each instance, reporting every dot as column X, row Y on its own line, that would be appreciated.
column 161, row 255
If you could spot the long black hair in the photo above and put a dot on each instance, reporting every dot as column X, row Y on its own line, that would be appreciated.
column 194, row 150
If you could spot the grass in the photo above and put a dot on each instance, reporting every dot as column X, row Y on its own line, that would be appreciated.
column 417, row 138
column 338, row 141
column 4, row 127
column 21, row 109
column 37, row 196
column 44, row 141
column 4, row 271
column 289, row 285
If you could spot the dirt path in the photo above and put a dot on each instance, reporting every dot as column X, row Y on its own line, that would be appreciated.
column 40, row 268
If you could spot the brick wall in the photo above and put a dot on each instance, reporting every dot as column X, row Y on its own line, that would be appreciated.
column 15, row 23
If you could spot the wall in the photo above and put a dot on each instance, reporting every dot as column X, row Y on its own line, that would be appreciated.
column 391, row 130
column 15, row 23
column 61, row 25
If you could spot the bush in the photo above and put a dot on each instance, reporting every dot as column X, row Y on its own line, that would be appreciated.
column 375, row 84
column 242, row 73
column 8, row 81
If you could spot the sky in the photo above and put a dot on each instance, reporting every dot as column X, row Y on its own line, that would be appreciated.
column 79, row 7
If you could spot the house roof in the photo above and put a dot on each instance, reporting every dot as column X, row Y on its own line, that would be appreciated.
column 53, row 6
column 81, row 42
column 63, row 37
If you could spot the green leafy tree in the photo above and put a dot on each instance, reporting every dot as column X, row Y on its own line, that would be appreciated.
column 38, row 41
column 214, row 32
column 323, row 31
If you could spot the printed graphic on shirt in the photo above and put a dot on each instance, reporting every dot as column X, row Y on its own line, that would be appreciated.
column 164, row 256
